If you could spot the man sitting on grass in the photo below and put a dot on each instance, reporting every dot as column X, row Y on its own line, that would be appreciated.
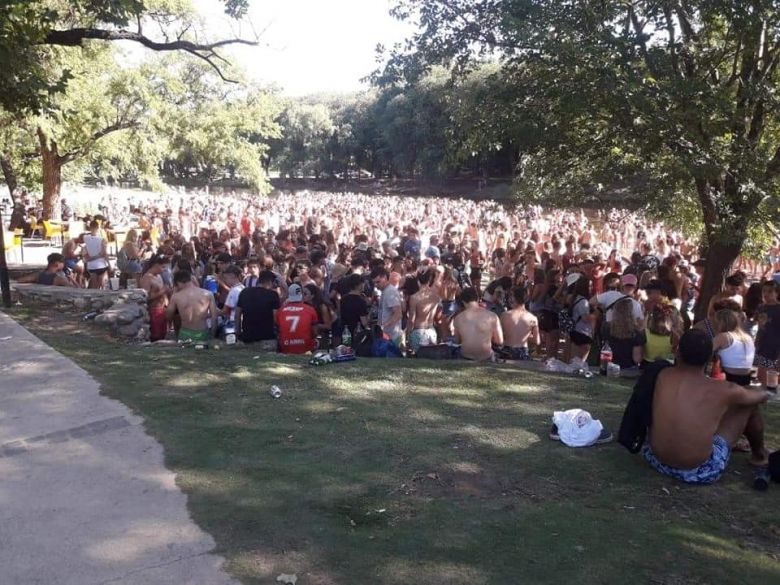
column 696, row 420
column 195, row 306
column 477, row 329
column 519, row 326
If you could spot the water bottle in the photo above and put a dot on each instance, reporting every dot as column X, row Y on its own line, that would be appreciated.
column 346, row 339
column 605, row 358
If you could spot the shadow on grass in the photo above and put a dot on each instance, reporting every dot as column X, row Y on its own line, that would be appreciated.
column 395, row 472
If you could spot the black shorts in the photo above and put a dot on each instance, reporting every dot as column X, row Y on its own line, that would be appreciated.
column 98, row 271
column 738, row 379
column 578, row 338
column 548, row 321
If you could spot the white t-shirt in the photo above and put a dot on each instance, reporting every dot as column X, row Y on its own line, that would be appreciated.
column 232, row 300
column 606, row 299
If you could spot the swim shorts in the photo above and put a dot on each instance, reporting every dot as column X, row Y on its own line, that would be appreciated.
column 158, row 324
column 706, row 473
column 517, row 353
column 193, row 336
column 420, row 337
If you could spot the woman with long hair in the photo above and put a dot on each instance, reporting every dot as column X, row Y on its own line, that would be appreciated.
column 624, row 336
column 734, row 347
column 662, row 333
column 312, row 295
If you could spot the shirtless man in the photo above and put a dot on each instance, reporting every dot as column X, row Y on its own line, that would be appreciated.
column 476, row 329
column 194, row 305
column 519, row 327
column 156, row 297
column 697, row 420
column 424, row 305
column 71, row 251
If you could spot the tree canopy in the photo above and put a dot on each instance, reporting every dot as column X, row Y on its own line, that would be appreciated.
column 30, row 30
column 676, row 102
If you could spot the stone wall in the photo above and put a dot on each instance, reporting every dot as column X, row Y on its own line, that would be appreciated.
column 123, row 312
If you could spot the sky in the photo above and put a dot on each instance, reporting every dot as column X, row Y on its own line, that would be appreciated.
column 309, row 46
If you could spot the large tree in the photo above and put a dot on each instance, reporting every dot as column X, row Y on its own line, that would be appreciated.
column 31, row 29
column 675, row 99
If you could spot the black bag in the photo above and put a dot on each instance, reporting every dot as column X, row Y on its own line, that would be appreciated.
column 638, row 415
column 566, row 321
column 441, row 351
column 363, row 342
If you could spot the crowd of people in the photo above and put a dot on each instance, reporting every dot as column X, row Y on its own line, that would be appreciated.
column 300, row 271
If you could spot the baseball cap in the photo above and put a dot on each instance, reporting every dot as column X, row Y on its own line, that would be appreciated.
column 628, row 279
column 295, row 293
column 572, row 278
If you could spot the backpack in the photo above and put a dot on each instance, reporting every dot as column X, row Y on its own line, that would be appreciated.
column 566, row 320
column 122, row 260
column 363, row 342
column 638, row 415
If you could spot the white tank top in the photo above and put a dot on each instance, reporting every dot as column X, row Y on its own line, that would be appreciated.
column 739, row 355
column 94, row 245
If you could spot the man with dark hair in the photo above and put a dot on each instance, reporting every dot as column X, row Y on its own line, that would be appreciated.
column 53, row 275
column 389, row 306
column 424, row 305
column 156, row 297
column 476, row 328
column 256, row 312
column 195, row 306
column 696, row 421
column 519, row 327
column 231, row 276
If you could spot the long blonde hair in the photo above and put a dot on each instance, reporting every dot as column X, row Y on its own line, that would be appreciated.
column 132, row 236
column 623, row 324
column 728, row 321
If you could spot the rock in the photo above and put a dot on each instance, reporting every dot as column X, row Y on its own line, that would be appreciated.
column 129, row 330
column 79, row 304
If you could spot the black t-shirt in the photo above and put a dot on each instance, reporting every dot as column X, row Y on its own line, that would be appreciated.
column 623, row 349
column 257, row 308
column 353, row 307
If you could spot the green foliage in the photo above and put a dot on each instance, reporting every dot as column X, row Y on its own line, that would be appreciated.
column 670, row 104
column 26, row 76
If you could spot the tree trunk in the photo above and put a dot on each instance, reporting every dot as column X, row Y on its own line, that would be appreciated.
column 720, row 259
column 9, row 174
column 51, row 163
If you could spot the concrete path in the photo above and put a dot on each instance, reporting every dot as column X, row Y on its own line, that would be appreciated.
column 84, row 496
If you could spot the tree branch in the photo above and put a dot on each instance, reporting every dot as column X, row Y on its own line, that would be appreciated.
column 207, row 51
column 115, row 127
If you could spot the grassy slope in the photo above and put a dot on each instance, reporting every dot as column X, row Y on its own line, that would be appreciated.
column 394, row 472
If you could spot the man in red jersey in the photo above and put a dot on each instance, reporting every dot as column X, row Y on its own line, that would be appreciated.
column 296, row 321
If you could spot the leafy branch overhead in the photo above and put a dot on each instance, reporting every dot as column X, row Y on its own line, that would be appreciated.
column 31, row 31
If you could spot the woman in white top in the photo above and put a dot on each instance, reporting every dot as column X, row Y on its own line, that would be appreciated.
column 96, row 256
column 734, row 347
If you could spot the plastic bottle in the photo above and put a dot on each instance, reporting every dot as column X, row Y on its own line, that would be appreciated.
column 605, row 358
column 346, row 338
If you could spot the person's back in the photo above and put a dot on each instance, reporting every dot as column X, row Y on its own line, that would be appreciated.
column 476, row 329
column 519, row 326
column 195, row 306
column 296, row 321
column 257, row 307
column 696, row 421
column 687, row 409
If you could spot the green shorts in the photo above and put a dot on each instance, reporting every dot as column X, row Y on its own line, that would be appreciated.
column 193, row 336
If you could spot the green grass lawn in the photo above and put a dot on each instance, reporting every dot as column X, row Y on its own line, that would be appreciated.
column 402, row 472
